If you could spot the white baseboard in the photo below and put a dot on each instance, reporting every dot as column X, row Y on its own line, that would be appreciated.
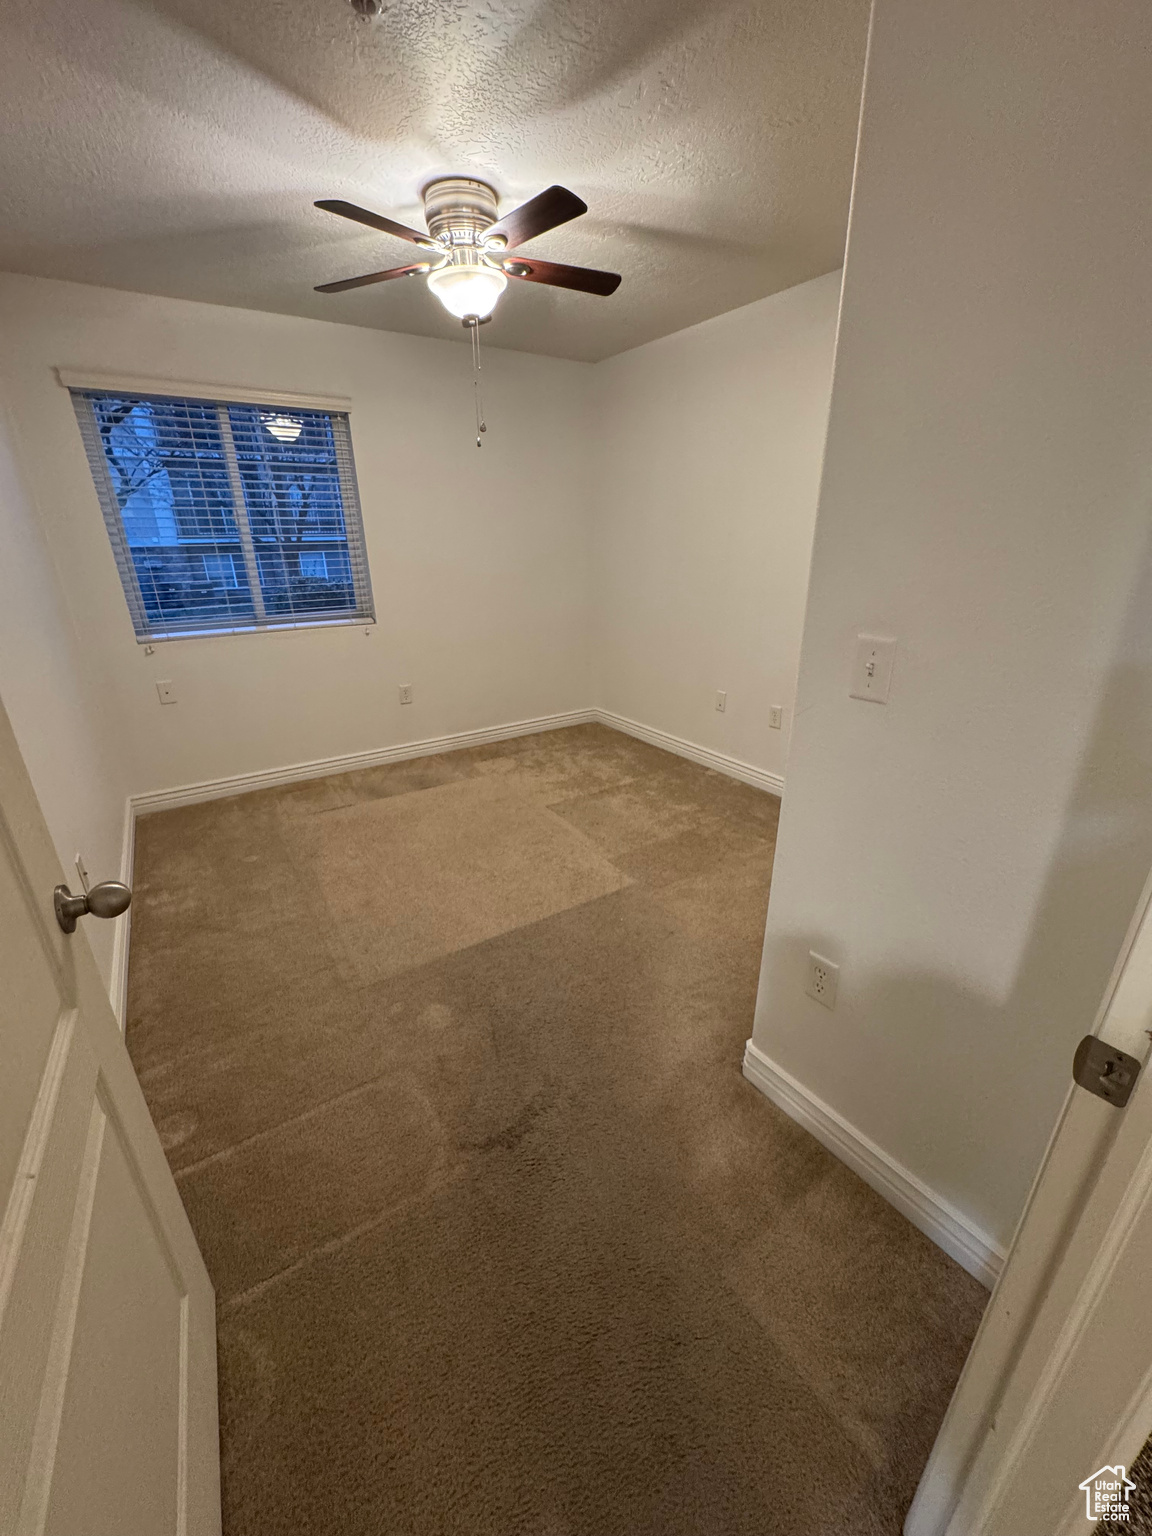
column 734, row 767
column 242, row 783
column 936, row 1218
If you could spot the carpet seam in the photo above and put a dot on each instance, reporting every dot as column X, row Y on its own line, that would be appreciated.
column 223, row 1153
column 333, row 1245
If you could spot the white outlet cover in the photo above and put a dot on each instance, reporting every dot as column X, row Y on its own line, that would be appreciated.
column 823, row 979
column 872, row 668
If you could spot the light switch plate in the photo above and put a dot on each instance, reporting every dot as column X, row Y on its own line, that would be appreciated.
column 872, row 668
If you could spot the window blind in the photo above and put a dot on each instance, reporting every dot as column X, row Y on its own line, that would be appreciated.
column 227, row 516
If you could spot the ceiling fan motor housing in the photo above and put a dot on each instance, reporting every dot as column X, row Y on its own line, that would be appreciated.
column 459, row 210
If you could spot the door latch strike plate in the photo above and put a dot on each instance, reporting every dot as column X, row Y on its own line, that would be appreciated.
column 1105, row 1071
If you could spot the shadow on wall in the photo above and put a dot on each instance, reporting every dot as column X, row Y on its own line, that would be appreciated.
column 1098, row 868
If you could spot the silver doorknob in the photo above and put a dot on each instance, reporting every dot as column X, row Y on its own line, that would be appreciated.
column 108, row 899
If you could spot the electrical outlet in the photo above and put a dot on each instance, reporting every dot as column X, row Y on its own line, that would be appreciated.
column 405, row 693
column 823, row 979
column 775, row 717
column 721, row 700
column 166, row 690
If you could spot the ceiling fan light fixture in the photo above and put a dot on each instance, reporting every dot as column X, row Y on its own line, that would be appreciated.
column 467, row 240
column 467, row 289
column 285, row 429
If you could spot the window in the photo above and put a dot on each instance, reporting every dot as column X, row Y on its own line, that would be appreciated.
column 227, row 516
column 222, row 568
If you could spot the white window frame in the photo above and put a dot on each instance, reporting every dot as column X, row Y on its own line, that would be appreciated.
column 337, row 407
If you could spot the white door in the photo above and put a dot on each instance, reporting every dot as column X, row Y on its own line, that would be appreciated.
column 1059, row 1382
column 107, row 1317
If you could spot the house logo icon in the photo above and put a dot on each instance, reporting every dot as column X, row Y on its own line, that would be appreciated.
column 1106, row 1494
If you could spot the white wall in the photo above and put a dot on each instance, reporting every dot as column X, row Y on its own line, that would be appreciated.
column 479, row 559
column 703, row 448
column 44, row 690
column 708, row 447
column 971, row 852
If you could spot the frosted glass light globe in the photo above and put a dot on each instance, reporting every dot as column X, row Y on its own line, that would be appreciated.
column 283, row 427
column 469, row 290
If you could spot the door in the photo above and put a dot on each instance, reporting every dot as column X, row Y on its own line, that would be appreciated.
column 1058, row 1386
column 107, row 1317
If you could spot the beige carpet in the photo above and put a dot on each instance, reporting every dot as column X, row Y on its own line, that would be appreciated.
column 446, row 1056
column 1139, row 1521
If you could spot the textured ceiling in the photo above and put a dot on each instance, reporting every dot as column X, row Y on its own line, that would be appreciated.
column 176, row 147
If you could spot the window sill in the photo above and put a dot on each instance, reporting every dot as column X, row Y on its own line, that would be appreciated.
column 363, row 621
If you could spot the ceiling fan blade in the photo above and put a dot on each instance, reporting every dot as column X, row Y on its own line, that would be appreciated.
column 553, row 206
column 557, row 275
column 377, row 221
column 374, row 277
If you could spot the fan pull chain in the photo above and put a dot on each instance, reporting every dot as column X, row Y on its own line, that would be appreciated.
column 481, row 424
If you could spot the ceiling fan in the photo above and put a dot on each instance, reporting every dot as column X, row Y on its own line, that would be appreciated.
column 466, row 265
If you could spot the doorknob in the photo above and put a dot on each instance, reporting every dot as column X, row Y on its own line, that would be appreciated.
column 108, row 899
